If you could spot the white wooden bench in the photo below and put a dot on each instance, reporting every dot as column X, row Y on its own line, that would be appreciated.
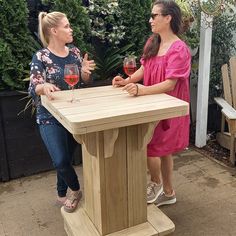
column 228, row 104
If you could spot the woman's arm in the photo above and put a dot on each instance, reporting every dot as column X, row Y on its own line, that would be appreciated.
column 139, row 89
column 134, row 78
column 46, row 89
column 87, row 67
column 163, row 87
column 37, row 85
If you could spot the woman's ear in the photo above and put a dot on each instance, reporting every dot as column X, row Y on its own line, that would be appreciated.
column 53, row 30
column 168, row 18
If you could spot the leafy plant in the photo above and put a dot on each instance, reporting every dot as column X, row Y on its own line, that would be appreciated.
column 16, row 45
column 108, row 60
column 192, row 36
column 191, row 17
column 222, row 48
column 222, row 44
column 116, row 32
column 186, row 9
column 136, row 23
column 106, row 21
column 29, row 104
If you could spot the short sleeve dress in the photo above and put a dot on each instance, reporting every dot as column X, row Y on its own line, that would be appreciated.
column 172, row 135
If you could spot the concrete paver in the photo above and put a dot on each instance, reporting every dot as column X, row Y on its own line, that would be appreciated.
column 206, row 201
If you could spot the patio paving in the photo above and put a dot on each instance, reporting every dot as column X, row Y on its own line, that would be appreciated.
column 206, row 201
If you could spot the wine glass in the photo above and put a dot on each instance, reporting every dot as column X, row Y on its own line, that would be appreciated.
column 129, row 65
column 71, row 77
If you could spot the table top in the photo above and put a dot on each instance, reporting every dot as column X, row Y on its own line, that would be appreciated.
column 106, row 107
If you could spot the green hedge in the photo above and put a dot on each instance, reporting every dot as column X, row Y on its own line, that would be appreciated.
column 223, row 46
column 16, row 45
column 108, row 29
column 136, row 15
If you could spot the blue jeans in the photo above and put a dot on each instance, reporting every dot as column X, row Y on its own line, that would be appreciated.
column 61, row 146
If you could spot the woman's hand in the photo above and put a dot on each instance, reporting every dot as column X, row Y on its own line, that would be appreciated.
column 48, row 89
column 87, row 65
column 119, row 81
column 134, row 89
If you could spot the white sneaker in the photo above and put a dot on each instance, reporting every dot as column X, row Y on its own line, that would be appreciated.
column 153, row 191
column 162, row 199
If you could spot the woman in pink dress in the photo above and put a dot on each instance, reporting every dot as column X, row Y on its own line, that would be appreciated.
column 166, row 64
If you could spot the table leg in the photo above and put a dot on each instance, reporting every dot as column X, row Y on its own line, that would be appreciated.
column 114, row 168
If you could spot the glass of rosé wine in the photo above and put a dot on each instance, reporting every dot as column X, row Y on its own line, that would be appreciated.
column 129, row 65
column 71, row 77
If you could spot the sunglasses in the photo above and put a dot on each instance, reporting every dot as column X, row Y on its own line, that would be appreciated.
column 153, row 15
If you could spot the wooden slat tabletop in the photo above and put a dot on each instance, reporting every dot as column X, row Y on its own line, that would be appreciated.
column 106, row 107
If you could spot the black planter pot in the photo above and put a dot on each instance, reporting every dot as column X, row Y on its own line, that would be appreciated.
column 22, row 152
column 214, row 118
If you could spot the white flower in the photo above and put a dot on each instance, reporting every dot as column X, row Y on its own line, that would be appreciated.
column 106, row 22
column 91, row 7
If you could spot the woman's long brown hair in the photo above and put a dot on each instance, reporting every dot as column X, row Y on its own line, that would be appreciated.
column 169, row 7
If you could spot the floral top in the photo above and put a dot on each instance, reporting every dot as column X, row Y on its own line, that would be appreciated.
column 47, row 67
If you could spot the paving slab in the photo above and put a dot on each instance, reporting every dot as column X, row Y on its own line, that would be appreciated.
column 206, row 200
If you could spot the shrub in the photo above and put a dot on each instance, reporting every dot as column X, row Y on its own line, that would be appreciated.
column 222, row 47
column 16, row 45
column 224, row 26
column 106, row 21
column 108, row 31
column 116, row 32
column 136, row 23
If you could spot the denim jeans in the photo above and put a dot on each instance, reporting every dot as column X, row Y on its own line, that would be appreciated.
column 61, row 146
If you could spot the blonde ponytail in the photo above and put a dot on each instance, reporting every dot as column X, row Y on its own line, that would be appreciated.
column 42, row 34
column 46, row 22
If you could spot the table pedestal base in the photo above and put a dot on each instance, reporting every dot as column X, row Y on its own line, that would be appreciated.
column 78, row 223
column 115, row 185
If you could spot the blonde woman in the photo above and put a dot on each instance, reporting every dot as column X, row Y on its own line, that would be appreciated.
column 47, row 77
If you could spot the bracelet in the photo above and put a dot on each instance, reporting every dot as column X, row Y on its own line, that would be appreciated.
column 136, row 94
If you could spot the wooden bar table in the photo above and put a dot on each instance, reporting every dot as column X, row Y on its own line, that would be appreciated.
column 114, row 129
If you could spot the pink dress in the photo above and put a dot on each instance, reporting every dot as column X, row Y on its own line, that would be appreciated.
column 172, row 135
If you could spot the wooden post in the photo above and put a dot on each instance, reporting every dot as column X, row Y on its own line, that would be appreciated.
column 203, row 79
